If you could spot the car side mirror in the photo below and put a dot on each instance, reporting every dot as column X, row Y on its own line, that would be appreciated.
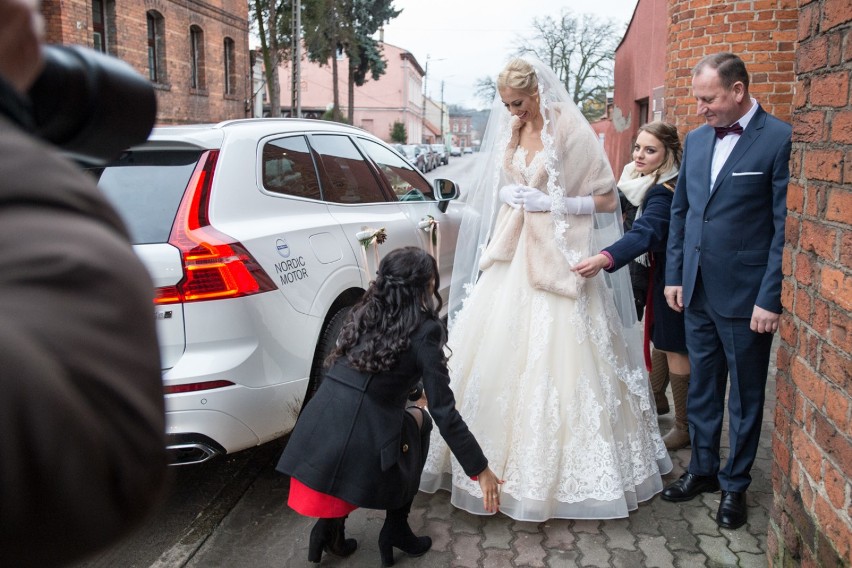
column 445, row 190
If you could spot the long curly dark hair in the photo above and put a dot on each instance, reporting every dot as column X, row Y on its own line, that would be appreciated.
column 379, row 326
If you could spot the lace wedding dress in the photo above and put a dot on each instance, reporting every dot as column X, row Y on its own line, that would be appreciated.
column 539, row 382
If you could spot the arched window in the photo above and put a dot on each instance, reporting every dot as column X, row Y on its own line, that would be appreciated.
column 103, row 26
column 196, row 58
column 156, row 47
column 230, row 67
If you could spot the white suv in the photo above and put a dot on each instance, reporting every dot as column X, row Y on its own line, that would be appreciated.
column 259, row 235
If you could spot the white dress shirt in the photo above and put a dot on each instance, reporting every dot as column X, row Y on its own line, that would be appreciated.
column 723, row 148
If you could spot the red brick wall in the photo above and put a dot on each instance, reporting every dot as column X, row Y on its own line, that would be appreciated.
column 811, row 521
column 69, row 21
column 761, row 32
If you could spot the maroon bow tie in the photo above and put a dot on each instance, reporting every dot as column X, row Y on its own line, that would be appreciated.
column 722, row 131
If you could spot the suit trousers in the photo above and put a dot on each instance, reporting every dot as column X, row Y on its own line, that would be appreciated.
column 718, row 346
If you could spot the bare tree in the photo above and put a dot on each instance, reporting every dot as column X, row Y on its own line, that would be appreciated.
column 486, row 90
column 580, row 50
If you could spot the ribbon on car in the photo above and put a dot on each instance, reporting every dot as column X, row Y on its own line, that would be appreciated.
column 430, row 225
column 369, row 237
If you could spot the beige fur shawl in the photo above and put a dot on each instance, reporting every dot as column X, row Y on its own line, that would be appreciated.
column 582, row 170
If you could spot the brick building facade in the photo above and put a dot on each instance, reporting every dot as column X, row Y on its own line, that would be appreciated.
column 812, row 520
column 194, row 51
column 799, row 55
column 808, row 84
column 461, row 130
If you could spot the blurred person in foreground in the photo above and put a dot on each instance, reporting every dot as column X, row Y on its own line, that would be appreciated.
column 648, row 182
column 82, row 453
column 358, row 442
column 726, row 241
column 547, row 365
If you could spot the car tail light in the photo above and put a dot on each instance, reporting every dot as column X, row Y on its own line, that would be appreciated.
column 215, row 266
column 195, row 387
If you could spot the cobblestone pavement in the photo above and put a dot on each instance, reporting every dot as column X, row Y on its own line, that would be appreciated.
column 263, row 532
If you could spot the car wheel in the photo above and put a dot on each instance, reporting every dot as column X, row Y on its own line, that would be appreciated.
column 325, row 344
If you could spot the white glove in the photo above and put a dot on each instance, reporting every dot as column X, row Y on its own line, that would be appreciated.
column 584, row 205
column 536, row 201
column 512, row 195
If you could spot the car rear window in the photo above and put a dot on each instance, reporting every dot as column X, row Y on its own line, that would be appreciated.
column 289, row 169
column 146, row 188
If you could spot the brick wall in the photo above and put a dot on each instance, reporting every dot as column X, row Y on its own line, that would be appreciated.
column 811, row 521
column 761, row 32
column 69, row 22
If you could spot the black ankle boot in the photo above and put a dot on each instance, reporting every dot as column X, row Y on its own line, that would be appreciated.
column 396, row 533
column 328, row 535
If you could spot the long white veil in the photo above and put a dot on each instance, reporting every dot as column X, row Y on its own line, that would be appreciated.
column 569, row 155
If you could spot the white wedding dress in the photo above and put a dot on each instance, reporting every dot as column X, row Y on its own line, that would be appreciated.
column 537, row 379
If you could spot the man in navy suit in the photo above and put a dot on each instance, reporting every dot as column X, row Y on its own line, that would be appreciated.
column 724, row 269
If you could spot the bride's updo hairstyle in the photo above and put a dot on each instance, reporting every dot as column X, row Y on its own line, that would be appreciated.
column 518, row 75
column 379, row 326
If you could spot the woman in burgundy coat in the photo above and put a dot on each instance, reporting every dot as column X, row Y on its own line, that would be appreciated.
column 356, row 444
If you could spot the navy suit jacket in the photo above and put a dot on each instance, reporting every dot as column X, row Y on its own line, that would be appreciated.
column 735, row 233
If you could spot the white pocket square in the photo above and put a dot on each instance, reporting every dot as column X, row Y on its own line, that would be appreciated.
column 735, row 174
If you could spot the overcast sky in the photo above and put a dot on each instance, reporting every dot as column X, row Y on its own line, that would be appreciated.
column 469, row 39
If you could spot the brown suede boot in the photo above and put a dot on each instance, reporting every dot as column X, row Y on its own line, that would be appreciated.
column 678, row 436
column 659, row 380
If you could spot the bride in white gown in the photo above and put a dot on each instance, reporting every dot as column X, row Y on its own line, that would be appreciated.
column 546, row 366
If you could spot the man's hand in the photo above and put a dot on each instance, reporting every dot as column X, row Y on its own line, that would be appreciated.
column 21, row 31
column 674, row 297
column 764, row 321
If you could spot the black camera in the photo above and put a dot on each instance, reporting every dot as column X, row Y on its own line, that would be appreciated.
column 93, row 106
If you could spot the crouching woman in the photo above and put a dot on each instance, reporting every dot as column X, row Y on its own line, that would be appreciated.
column 358, row 442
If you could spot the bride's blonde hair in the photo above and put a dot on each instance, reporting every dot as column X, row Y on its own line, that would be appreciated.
column 518, row 75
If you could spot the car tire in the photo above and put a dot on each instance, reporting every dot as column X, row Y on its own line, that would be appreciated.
column 325, row 344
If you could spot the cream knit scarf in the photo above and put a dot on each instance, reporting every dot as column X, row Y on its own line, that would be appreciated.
column 635, row 186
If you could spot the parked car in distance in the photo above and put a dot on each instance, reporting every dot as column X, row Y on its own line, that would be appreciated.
column 443, row 154
column 414, row 155
column 432, row 158
column 259, row 235
column 468, row 150
column 455, row 151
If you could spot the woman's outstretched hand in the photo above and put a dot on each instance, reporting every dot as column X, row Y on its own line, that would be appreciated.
column 588, row 267
column 490, row 486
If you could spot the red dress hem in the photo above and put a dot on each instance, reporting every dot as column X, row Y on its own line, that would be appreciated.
column 312, row 503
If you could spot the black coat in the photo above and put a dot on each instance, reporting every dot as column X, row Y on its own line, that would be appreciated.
column 649, row 233
column 349, row 441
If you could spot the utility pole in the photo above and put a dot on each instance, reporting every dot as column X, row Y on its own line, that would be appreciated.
column 423, row 121
column 296, row 84
column 442, row 114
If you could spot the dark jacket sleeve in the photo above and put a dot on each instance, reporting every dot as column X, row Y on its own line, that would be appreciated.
column 442, row 402
column 82, row 453
column 648, row 233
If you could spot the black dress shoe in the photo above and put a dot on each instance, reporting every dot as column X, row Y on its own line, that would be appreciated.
column 733, row 512
column 689, row 486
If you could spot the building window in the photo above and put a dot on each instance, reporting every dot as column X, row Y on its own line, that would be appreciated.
column 642, row 109
column 196, row 58
column 99, row 39
column 103, row 26
column 156, row 47
column 230, row 67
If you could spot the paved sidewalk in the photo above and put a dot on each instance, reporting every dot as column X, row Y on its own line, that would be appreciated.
column 657, row 534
